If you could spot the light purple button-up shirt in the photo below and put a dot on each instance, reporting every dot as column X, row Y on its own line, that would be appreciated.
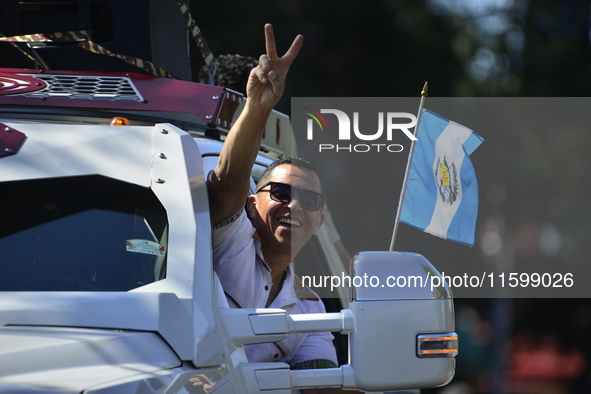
column 246, row 279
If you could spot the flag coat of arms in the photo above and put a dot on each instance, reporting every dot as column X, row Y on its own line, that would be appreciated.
column 441, row 196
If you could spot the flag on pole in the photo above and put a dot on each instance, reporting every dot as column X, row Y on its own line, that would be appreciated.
column 441, row 196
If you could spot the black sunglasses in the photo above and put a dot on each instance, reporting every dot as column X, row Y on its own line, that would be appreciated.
column 281, row 192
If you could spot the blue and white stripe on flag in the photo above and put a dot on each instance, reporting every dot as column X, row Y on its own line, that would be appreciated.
column 441, row 196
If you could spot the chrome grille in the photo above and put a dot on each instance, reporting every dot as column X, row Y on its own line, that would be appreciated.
column 87, row 87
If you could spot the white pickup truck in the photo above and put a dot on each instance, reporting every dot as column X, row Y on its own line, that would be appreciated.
column 106, row 279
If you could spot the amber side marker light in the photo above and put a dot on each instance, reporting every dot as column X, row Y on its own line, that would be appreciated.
column 437, row 345
column 119, row 121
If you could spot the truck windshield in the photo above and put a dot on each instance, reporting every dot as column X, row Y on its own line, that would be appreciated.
column 88, row 233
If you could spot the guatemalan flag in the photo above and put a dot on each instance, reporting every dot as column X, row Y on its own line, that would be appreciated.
column 441, row 195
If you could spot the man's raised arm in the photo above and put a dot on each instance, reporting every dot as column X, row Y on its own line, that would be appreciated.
column 228, row 185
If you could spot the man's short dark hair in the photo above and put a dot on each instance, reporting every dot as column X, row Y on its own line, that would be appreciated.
column 294, row 161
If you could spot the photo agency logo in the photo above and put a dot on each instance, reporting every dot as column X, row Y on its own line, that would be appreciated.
column 354, row 128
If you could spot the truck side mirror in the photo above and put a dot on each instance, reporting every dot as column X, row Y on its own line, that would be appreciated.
column 400, row 324
column 404, row 323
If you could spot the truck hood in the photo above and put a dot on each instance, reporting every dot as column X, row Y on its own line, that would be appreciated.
column 48, row 359
column 153, row 312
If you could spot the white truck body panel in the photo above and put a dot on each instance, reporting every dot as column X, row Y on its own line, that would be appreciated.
column 74, row 359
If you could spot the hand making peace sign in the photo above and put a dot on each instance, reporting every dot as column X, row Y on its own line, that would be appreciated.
column 267, row 80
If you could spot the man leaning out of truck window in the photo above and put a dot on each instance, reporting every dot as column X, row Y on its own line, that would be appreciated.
column 252, row 257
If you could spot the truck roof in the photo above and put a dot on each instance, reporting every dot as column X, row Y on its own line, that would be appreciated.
column 91, row 97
